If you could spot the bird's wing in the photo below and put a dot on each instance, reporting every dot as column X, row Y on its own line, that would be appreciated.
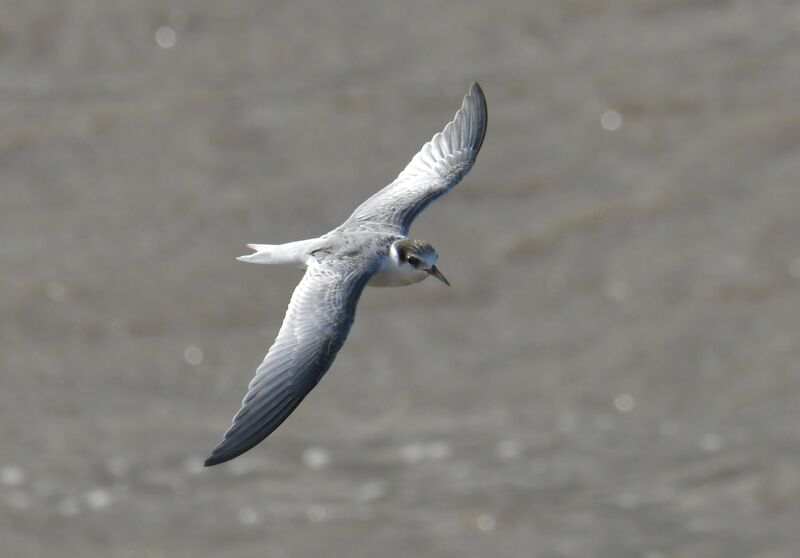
column 316, row 325
column 434, row 171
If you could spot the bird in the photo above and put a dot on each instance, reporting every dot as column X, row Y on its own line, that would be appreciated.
column 371, row 247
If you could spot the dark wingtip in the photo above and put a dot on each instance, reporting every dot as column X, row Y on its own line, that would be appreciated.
column 219, row 457
column 211, row 461
column 476, row 91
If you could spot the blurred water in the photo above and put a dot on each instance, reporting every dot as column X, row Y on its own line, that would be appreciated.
column 614, row 372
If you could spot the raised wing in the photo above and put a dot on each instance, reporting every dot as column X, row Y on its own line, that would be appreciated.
column 316, row 325
column 434, row 171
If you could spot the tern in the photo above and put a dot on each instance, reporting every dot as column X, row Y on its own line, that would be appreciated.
column 370, row 248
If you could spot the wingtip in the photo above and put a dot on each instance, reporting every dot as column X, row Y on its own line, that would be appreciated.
column 218, row 455
column 476, row 89
column 476, row 93
column 211, row 461
column 217, row 458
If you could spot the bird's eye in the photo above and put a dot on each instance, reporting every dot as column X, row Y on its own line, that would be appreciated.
column 413, row 260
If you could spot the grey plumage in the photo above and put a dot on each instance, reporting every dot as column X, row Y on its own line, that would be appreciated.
column 364, row 249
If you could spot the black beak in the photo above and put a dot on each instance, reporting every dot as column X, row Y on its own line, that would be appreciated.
column 438, row 274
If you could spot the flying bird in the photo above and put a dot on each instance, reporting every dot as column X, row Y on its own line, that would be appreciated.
column 370, row 248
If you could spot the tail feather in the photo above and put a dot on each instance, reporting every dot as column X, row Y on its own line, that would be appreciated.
column 290, row 253
column 263, row 254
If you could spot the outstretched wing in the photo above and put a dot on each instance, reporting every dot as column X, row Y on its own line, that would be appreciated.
column 316, row 325
column 434, row 171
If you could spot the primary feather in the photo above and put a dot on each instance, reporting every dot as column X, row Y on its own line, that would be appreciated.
column 435, row 170
column 320, row 315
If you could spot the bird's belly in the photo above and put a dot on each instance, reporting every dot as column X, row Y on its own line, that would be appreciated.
column 391, row 275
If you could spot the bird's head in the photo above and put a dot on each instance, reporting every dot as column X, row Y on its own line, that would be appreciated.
column 419, row 256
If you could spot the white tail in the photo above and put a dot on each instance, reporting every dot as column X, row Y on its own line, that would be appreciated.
column 263, row 254
column 289, row 253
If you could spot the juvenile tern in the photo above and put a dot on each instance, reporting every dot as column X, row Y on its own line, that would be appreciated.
column 370, row 248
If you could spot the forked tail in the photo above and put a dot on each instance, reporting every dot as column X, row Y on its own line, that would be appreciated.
column 294, row 253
